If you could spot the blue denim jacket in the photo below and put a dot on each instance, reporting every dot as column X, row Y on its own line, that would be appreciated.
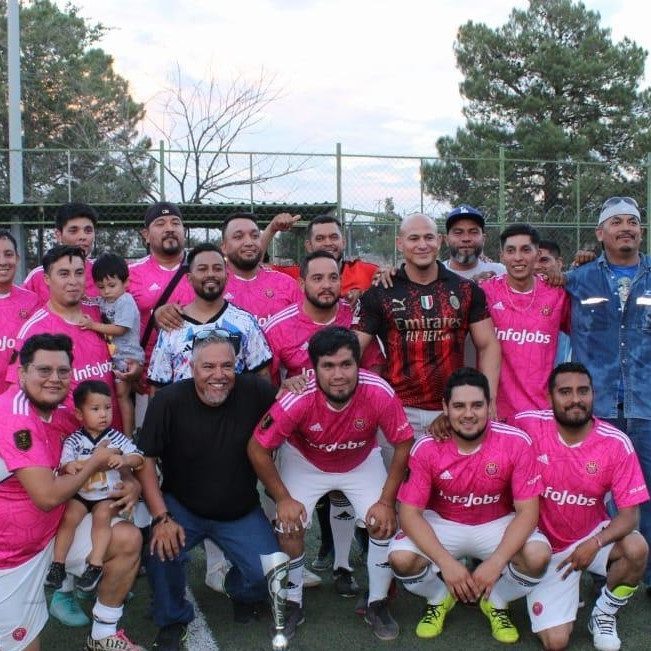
column 608, row 339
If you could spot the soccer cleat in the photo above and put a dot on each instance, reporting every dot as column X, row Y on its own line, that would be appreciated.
column 502, row 627
column 171, row 637
column 56, row 575
column 216, row 575
column 345, row 584
column 381, row 621
column 88, row 581
column 117, row 642
column 310, row 579
column 65, row 608
column 604, row 631
column 323, row 560
column 431, row 623
column 294, row 617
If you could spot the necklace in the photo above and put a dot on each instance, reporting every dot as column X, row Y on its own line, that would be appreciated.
column 510, row 290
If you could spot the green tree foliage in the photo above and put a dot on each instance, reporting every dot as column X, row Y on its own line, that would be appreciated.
column 549, row 85
column 72, row 99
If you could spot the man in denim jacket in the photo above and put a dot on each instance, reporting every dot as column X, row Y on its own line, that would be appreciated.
column 611, row 331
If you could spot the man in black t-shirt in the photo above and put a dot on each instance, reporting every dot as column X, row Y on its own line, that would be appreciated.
column 199, row 429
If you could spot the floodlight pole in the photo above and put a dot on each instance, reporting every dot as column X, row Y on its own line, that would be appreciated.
column 15, row 126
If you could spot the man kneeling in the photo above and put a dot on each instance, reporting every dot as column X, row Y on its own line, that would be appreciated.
column 330, row 431
column 474, row 495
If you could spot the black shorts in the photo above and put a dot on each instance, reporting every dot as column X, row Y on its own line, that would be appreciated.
column 89, row 504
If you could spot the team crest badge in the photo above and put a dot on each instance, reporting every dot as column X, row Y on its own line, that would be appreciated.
column 491, row 468
column 427, row 302
column 359, row 423
column 266, row 421
column 455, row 302
column 268, row 292
column 19, row 633
column 545, row 310
column 22, row 313
column 23, row 439
column 537, row 608
column 592, row 467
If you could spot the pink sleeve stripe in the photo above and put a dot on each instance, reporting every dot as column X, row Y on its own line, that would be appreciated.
column 33, row 272
column 500, row 428
column 612, row 432
column 290, row 399
column 35, row 318
column 375, row 380
column 138, row 263
column 545, row 414
column 281, row 316
column 419, row 443
column 20, row 404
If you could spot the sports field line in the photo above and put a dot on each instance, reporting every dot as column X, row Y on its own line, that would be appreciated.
column 199, row 635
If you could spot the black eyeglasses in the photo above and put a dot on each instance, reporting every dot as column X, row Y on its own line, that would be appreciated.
column 615, row 200
column 218, row 335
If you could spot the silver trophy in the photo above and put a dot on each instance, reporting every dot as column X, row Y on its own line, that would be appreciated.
column 276, row 568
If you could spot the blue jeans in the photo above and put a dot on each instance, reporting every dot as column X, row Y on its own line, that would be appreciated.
column 639, row 431
column 242, row 542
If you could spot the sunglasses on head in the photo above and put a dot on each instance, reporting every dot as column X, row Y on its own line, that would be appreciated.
column 615, row 200
column 218, row 335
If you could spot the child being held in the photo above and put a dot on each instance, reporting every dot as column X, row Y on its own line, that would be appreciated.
column 93, row 408
column 119, row 310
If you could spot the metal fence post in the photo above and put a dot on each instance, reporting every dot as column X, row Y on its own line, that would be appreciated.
column 578, row 206
column 251, row 180
column 338, row 164
column 501, row 207
column 161, row 169
column 69, row 175
column 648, row 202
column 422, row 188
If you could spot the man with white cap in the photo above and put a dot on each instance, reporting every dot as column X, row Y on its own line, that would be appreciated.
column 611, row 331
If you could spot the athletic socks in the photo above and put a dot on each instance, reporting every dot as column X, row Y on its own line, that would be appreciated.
column 214, row 555
column 342, row 521
column 105, row 620
column 295, row 580
column 379, row 570
column 426, row 584
column 610, row 601
column 511, row 586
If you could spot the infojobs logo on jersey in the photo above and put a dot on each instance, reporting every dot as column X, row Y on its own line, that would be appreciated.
column 523, row 336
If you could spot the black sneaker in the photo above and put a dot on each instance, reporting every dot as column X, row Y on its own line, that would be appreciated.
column 378, row 616
column 170, row 638
column 88, row 581
column 294, row 617
column 55, row 576
column 345, row 583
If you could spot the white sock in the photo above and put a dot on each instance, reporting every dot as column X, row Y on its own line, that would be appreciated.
column 214, row 555
column 610, row 602
column 380, row 573
column 105, row 620
column 342, row 522
column 295, row 580
column 511, row 586
column 68, row 584
column 426, row 584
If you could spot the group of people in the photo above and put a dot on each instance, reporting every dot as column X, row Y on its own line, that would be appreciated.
column 433, row 406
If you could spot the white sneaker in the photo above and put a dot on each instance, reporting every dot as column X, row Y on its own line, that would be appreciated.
column 310, row 579
column 216, row 575
column 604, row 631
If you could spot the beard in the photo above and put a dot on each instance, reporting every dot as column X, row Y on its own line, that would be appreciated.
column 321, row 303
column 575, row 422
column 465, row 258
column 211, row 295
column 245, row 264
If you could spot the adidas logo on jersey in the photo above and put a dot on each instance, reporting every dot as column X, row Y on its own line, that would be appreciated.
column 154, row 287
column 499, row 306
column 543, row 458
column 316, row 428
column 446, row 474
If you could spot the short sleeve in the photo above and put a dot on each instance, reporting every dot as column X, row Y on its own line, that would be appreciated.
column 526, row 480
column 417, row 487
column 160, row 371
column 478, row 308
column 628, row 487
column 256, row 353
column 155, row 432
column 21, row 446
column 394, row 423
column 69, row 452
column 370, row 318
column 274, row 427
column 126, row 312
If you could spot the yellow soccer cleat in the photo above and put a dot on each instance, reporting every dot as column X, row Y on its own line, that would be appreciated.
column 502, row 627
column 431, row 624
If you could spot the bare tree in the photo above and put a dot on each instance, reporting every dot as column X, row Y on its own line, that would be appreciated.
column 200, row 124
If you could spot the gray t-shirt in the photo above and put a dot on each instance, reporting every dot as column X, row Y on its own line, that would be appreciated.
column 124, row 312
column 482, row 265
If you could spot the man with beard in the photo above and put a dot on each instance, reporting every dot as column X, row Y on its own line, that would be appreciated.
column 474, row 494
column 199, row 429
column 74, row 225
column 582, row 460
column 170, row 359
column 466, row 238
column 330, row 434
column 33, row 497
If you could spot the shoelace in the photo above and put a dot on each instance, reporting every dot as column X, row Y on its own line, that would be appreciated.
column 502, row 617
column 122, row 636
column 605, row 623
column 432, row 613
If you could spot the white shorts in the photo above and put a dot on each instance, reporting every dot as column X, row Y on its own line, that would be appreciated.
column 473, row 540
column 81, row 546
column 23, row 609
column 306, row 483
column 421, row 419
column 554, row 601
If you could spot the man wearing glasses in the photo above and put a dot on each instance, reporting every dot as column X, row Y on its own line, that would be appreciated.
column 199, row 428
column 611, row 331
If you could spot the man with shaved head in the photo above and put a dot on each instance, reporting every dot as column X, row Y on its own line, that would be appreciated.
column 423, row 320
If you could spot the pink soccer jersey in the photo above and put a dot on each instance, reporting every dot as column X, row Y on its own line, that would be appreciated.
column 289, row 331
column 577, row 478
column 527, row 327
column 90, row 352
column 147, row 282
column 36, row 283
column 15, row 308
column 472, row 488
column 25, row 441
column 335, row 440
column 267, row 293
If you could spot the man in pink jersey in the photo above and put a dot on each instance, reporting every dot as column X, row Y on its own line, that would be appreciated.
column 528, row 315
column 75, row 225
column 582, row 459
column 330, row 434
column 32, row 499
column 65, row 277
column 474, row 495
column 16, row 304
